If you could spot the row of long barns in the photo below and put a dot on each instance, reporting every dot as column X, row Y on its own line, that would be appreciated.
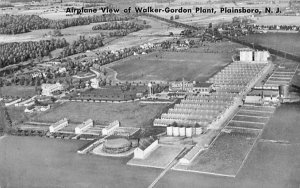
column 204, row 109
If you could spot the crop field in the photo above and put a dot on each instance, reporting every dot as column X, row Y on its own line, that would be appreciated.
column 289, row 42
column 129, row 114
column 227, row 153
column 250, row 119
column 171, row 66
column 18, row 91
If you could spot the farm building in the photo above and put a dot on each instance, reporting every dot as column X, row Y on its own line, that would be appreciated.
column 47, row 89
column 146, row 146
column 204, row 88
column 84, row 126
column 13, row 102
column 192, row 87
column 58, row 125
column 95, row 83
column 111, row 128
column 181, row 86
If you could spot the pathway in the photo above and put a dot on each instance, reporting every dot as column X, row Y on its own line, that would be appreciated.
column 174, row 162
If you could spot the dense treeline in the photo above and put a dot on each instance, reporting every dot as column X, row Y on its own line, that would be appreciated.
column 120, row 25
column 82, row 45
column 14, row 24
column 13, row 53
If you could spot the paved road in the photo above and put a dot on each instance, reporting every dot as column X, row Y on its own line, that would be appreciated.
column 175, row 161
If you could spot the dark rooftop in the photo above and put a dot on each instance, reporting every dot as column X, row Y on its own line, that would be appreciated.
column 146, row 142
column 202, row 84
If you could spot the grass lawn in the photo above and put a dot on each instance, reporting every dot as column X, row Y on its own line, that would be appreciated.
column 245, row 125
column 129, row 114
column 227, row 153
column 17, row 115
column 284, row 124
column 18, row 91
column 170, row 66
column 289, row 42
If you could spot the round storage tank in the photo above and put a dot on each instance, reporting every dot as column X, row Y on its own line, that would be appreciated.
column 169, row 130
column 283, row 91
column 182, row 131
column 175, row 131
column 188, row 132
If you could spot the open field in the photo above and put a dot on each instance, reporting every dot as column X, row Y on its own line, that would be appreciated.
column 226, row 154
column 38, row 162
column 284, row 125
column 170, row 66
column 289, row 42
column 112, row 93
column 70, row 34
column 278, row 20
column 18, row 91
column 269, row 165
column 254, row 113
column 159, row 158
column 17, row 114
column 129, row 114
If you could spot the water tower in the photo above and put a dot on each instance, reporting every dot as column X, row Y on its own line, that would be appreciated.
column 150, row 88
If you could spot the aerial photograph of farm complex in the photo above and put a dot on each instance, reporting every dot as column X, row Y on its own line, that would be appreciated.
column 149, row 93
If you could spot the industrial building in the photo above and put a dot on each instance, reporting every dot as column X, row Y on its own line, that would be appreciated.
column 108, row 130
column 191, row 87
column 146, row 146
column 58, row 125
column 84, row 126
column 48, row 89
column 206, row 109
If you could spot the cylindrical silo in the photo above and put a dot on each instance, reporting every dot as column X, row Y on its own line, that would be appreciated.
column 169, row 130
column 182, row 131
column 175, row 131
column 188, row 132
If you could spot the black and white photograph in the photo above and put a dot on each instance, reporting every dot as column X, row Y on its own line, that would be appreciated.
column 149, row 93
